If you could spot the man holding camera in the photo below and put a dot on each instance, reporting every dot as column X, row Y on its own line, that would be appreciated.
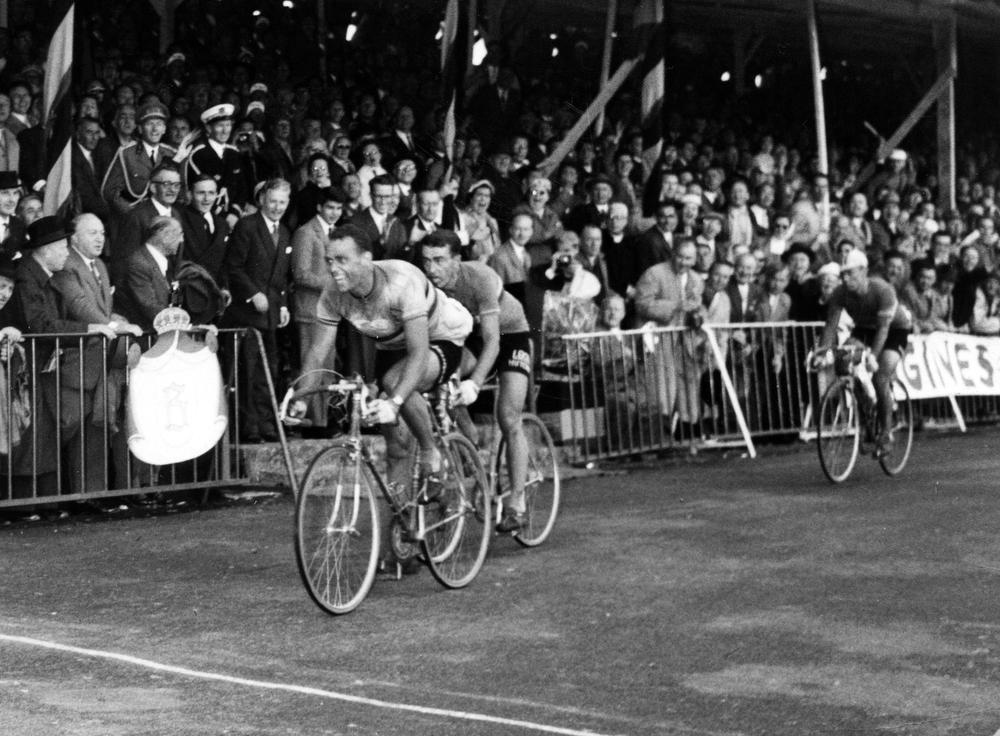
column 669, row 295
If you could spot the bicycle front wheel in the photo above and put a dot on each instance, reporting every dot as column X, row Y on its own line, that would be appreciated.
column 457, row 523
column 894, row 459
column 837, row 436
column 337, row 529
column 542, row 487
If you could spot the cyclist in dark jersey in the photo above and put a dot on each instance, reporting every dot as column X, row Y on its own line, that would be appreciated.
column 880, row 322
column 500, row 342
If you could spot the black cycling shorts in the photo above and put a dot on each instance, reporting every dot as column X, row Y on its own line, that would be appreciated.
column 514, row 355
column 449, row 356
column 897, row 339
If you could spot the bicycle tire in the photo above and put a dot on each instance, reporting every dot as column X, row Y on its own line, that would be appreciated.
column 838, row 433
column 457, row 524
column 337, row 529
column 543, row 486
column 894, row 460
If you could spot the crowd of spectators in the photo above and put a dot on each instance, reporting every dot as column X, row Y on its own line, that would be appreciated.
column 226, row 153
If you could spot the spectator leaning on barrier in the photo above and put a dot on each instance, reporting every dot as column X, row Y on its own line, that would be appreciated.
column 927, row 305
column 985, row 318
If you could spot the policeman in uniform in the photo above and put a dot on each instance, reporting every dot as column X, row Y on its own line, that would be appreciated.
column 222, row 161
column 127, row 179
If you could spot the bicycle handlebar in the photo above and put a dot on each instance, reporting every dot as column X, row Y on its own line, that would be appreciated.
column 344, row 386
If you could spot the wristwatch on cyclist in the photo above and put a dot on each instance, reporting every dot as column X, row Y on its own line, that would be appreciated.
column 397, row 401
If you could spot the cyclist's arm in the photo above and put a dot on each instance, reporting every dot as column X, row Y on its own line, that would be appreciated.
column 417, row 353
column 489, row 327
column 829, row 339
column 321, row 347
column 881, row 334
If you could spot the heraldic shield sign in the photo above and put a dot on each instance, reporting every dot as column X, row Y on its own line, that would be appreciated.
column 176, row 401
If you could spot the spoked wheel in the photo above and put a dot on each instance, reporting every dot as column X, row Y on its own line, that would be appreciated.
column 326, row 410
column 337, row 529
column 837, row 437
column 894, row 459
column 542, row 489
column 457, row 523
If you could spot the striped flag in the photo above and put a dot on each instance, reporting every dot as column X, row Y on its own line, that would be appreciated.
column 453, row 64
column 57, row 110
column 648, row 26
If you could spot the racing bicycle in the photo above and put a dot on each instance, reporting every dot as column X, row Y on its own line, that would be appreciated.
column 848, row 419
column 338, row 516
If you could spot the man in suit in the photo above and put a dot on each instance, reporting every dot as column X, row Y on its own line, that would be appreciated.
column 594, row 212
column 206, row 232
column 13, row 231
column 277, row 152
column 164, row 189
column 87, row 172
column 511, row 259
column 619, row 250
column 222, row 161
column 257, row 264
column 670, row 295
column 655, row 245
column 86, row 294
column 745, row 296
column 386, row 233
column 127, row 179
column 400, row 142
column 146, row 290
column 122, row 134
column 40, row 307
column 310, row 275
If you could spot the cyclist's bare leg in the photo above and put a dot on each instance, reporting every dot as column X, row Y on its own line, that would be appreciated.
column 513, row 393
column 417, row 417
column 888, row 360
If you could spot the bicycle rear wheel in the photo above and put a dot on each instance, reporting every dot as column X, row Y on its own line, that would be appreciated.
column 337, row 529
column 837, row 436
column 457, row 524
column 894, row 460
column 542, row 487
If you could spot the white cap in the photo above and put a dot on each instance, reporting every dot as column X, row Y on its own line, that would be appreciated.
column 217, row 112
column 690, row 198
column 832, row 268
column 931, row 225
column 855, row 259
column 898, row 154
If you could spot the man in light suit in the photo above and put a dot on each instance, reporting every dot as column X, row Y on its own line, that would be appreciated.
column 670, row 295
column 257, row 266
column 87, row 297
column 385, row 231
column 511, row 260
column 149, row 271
column 310, row 275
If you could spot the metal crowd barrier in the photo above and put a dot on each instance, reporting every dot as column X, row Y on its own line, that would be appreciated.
column 74, row 445
column 646, row 390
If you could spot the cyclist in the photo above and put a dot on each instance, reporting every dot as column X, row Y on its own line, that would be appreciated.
column 503, row 344
column 880, row 323
column 418, row 331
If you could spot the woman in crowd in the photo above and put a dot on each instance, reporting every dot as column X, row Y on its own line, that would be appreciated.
column 484, row 232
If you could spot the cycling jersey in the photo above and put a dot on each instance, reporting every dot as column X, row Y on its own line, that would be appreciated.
column 480, row 290
column 399, row 294
column 878, row 302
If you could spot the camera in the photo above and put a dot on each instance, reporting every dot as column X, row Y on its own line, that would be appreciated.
column 244, row 138
column 564, row 260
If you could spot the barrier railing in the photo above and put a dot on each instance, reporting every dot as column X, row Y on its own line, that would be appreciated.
column 652, row 389
column 63, row 429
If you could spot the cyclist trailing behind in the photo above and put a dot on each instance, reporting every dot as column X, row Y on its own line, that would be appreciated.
column 880, row 322
column 418, row 334
column 500, row 343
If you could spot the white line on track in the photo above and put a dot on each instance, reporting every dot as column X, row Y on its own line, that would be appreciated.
column 299, row 689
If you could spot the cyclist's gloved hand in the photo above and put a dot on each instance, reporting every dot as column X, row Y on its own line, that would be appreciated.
column 468, row 392
column 297, row 409
column 383, row 411
column 871, row 363
column 822, row 359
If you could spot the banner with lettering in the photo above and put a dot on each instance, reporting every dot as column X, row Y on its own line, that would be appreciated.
column 951, row 364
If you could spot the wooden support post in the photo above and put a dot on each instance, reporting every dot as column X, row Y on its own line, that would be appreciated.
column 473, row 25
column 918, row 112
column 820, row 109
column 4, row 10
column 568, row 143
column 946, row 48
column 609, row 29
column 321, row 38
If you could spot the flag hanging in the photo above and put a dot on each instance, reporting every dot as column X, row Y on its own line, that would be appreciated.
column 57, row 110
column 453, row 64
column 648, row 26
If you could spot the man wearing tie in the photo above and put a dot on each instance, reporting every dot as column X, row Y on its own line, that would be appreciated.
column 386, row 233
column 257, row 265
column 205, row 231
column 87, row 172
column 127, row 179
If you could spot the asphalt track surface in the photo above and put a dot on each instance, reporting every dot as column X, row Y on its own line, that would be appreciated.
column 704, row 597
